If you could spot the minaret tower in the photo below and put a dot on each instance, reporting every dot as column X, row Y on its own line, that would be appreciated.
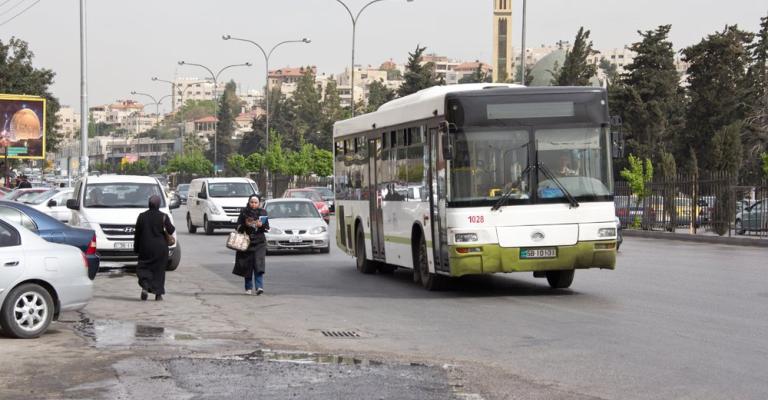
column 502, row 40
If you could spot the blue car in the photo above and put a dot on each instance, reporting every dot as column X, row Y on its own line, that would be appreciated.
column 53, row 230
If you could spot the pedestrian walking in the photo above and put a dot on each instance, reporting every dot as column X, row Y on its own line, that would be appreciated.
column 149, row 241
column 250, row 264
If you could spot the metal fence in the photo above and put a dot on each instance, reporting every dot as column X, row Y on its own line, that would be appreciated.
column 281, row 183
column 711, row 204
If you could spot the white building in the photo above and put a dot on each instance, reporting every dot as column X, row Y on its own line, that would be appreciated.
column 193, row 88
column 68, row 122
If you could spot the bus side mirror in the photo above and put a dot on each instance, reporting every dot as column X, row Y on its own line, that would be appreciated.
column 447, row 141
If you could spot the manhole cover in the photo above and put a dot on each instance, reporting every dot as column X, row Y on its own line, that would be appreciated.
column 341, row 334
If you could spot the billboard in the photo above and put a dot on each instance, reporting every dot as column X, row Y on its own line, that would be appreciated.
column 22, row 127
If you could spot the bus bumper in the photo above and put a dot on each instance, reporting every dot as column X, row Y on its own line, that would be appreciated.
column 492, row 258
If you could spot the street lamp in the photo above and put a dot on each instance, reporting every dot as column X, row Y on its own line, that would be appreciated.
column 215, row 78
column 154, row 101
column 522, row 53
column 355, row 18
column 267, row 56
column 173, row 90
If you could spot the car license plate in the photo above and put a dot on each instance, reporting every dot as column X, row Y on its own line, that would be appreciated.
column 543, row 252
column 295, row 239
column 124, row 245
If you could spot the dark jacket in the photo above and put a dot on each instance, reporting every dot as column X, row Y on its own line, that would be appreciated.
column 246, row 262
column 255, row 234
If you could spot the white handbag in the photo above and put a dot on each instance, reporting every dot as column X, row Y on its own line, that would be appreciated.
column 238, row 241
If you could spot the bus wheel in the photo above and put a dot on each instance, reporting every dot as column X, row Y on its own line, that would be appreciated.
column 429, row 280
column 560, row 279
column 363, row 264
column 386, row 269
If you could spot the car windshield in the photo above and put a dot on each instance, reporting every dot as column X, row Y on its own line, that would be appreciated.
column 40, row 198
column 292, row 209
column 121, row 195
column 23, row 197
column 230, row 189
column 304, row 194
column 325, row 192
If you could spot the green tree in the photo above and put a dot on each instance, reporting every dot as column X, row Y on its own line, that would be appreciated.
column 140, row 167
column 275, row 158
column 756, row 129
column 648, row 96
column 726, row 149
column 717, row 88
column 417, row 76
column 229, row 108
column 378, row 94
column 19, row 76
column 194, row 109
column 668, row 172
column 477, row 76
column 322, row 162
column 192, row 163
column 764, row 156
column 332, row 112
column 577, row 70
column 309, row 110
column 638, row 176
column 528, row 75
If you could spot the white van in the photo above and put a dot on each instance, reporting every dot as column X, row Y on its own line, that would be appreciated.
column 110, row 205
column 215, row 203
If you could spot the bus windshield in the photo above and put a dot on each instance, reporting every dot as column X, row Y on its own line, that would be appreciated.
column 491, row 161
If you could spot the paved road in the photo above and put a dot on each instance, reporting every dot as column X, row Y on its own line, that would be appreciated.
column 675, row 320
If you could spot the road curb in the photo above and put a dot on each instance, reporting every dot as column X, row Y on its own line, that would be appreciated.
column 733, row 241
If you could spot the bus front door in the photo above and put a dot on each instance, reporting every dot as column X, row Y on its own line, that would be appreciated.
column 437, row 185
column 374, row 196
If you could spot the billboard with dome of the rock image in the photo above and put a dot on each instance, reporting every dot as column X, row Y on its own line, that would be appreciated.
column 22, row 127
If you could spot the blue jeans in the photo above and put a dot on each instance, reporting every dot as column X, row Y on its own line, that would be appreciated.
column 259, row 281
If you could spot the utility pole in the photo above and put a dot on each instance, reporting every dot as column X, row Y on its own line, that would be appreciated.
column 84, row 116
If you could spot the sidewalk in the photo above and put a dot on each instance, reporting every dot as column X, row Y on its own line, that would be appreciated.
column 704, row 237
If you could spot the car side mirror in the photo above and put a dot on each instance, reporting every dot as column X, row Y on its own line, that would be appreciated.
column 202, row 195
column 72, row 204
column 52, row 203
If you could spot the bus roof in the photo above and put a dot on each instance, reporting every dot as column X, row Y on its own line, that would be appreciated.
column 420, row 105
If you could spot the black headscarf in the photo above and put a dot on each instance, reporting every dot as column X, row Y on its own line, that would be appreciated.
column 154, row 202
column 251, row 212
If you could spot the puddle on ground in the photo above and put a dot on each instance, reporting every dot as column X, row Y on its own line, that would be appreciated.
column 109, row 333
column 301, row 358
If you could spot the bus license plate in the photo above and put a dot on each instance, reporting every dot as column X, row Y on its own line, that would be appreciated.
column 543, row 252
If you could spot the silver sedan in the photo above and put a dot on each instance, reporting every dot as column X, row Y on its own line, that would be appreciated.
column 296, row 224
column 38, row 281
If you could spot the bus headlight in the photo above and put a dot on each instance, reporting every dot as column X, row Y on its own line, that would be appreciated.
column 465, row 237
column 606, row 232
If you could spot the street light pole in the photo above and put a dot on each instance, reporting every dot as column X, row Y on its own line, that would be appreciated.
column 267, row 56
column 173, row 91
column 215, row 78
column 354, row 19
column 84, row 116
column 154, row 101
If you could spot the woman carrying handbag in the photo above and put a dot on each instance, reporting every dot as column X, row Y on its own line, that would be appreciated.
column 250, row 263
column 153, row 235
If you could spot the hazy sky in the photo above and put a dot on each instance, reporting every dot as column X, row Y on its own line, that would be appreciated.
column 131, row 41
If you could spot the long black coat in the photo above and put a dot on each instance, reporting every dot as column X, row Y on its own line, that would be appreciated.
column 149, row 243
column 253, row 259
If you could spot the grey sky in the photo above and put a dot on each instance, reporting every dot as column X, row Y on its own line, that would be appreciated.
column 131, row 41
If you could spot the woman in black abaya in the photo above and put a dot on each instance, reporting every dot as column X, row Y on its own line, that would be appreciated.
column 149, row 242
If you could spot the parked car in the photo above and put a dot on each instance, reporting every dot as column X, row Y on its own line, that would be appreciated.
column 53, row 230
column 753, row 218
column 295, row 224
column 53, row 203
column 311, row 195
column 183, row 190
column 22, row 195
column 215, row 203
column 38, row 281
column 326, row 194
column 110, row 205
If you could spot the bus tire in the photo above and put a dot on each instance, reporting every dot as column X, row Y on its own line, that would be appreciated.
column 430, row 281
column 386, row 269
column 560, row 279
column 363, row 264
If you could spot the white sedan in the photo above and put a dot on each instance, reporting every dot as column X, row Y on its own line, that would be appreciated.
column 53, row 203
column 295, row 224
column 38, row 281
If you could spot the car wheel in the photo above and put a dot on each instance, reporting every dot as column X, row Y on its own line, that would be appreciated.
column 207, row 226
column 190, row 227
column 560, row 279
column 363, row 264
column 173, row 263
column 429, row 280
column 27, row 311
column 740, row 228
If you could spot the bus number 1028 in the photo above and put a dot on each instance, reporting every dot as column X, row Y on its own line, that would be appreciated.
column 476, row 219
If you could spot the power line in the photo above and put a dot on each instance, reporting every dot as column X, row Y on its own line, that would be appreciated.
column 5, row 2
column 11, row 7
column 21, row 12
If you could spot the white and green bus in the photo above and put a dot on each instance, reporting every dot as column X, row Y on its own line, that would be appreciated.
column 478, row 179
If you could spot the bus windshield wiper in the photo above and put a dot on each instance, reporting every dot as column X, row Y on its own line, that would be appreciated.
column 508, row 193
column 551, row 176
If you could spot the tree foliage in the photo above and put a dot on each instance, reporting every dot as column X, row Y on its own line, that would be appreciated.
column 192, row 163
column 639, row 175
column 378, row 94
column 755, row 137
column 19, row 76
column 194, row 109
column 577, row 70
column 229, row 108
column 417, row 76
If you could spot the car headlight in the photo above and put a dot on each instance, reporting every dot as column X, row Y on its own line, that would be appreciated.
column 317, row 230
column 276, row 231
column 214, row 209
column 465, row 237
column 606, row 232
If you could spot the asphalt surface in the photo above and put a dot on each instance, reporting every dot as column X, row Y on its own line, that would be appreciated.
column 675, row 320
